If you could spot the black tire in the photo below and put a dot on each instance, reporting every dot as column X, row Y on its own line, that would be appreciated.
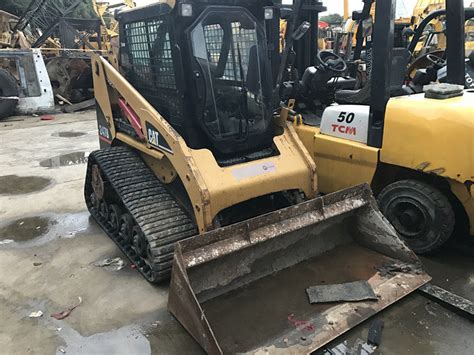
column 8, row 87
column 420, row 213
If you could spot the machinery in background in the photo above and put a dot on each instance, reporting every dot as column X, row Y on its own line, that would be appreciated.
column 24, row 83
column 7, row 21
column 66, row 45
column 109, row 28
column 434, row 56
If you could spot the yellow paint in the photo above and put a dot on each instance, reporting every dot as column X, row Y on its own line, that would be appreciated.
column 426, row 135
column 469, row 37
column 341, row 163
column 431, row 135
column 211, row 188
column 346, row 10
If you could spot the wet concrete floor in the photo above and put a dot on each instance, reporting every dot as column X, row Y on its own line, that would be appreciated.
column 24, row 229
column 48, row 248
column 16, row 185
column 68, row 134
column 47, row 268
column 65, row 160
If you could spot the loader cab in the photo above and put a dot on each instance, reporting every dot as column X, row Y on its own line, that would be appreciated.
column 204, row 66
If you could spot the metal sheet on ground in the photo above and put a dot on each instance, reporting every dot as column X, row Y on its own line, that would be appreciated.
column 349, row 292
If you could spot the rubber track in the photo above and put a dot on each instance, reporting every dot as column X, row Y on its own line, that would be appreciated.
column 154, row 209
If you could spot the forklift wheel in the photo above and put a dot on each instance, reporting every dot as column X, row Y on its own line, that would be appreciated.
column 420, row 213
column 8, row 87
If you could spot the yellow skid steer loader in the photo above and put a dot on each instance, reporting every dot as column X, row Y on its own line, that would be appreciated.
column 201, row 176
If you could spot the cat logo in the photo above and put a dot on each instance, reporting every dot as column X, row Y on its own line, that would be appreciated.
column 153, row 137
column 155, row 140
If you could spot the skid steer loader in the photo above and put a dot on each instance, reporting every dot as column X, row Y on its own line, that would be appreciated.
column 201, row 175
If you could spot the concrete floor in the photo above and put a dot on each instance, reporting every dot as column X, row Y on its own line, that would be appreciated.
column 49, row 244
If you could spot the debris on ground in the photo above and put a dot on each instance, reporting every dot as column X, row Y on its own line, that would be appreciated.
column 47, row 118
column 37, row 264
column 67, row 311
column 111, row 264
column 375, row 332
column 449, row 300
column 156, row 324
column 345, row 292
column 359, row 347
column 391, row 268
column 36, row 314
column 79, row 106
column 63, row 99
column 62, row 350
column 301, row 324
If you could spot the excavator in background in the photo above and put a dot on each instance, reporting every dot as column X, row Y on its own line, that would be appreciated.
column 204, row 173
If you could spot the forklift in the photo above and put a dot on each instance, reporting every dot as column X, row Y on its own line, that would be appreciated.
column 412, row 142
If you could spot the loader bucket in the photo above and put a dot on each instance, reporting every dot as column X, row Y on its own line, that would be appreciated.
column 242, row 288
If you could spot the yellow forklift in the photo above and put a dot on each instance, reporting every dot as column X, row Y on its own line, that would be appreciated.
column 411, row 141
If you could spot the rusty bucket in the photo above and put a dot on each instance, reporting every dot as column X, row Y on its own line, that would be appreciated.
column 242, row 288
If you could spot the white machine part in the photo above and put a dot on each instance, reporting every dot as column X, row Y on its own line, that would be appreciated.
column 346, row 121
column 38, row 102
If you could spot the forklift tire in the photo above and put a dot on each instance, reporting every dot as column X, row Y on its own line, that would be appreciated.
column 420, row 213
column 8, row 87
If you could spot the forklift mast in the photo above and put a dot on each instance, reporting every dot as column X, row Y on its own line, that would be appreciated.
column 382, row 52
column 383, row 42
column 306, row 48
column 455, row 46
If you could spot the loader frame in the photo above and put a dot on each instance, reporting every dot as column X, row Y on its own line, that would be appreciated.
column 210, row 187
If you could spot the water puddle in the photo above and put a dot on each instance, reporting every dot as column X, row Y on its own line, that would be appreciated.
column 33, row 231
column 164, row 336
column 17, row 185
column 68, row 134
column 158, row 333
column 24, row 229
column 125, row 340
column 65, row 160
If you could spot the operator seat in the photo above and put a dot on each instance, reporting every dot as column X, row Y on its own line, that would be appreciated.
column 400, row 59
